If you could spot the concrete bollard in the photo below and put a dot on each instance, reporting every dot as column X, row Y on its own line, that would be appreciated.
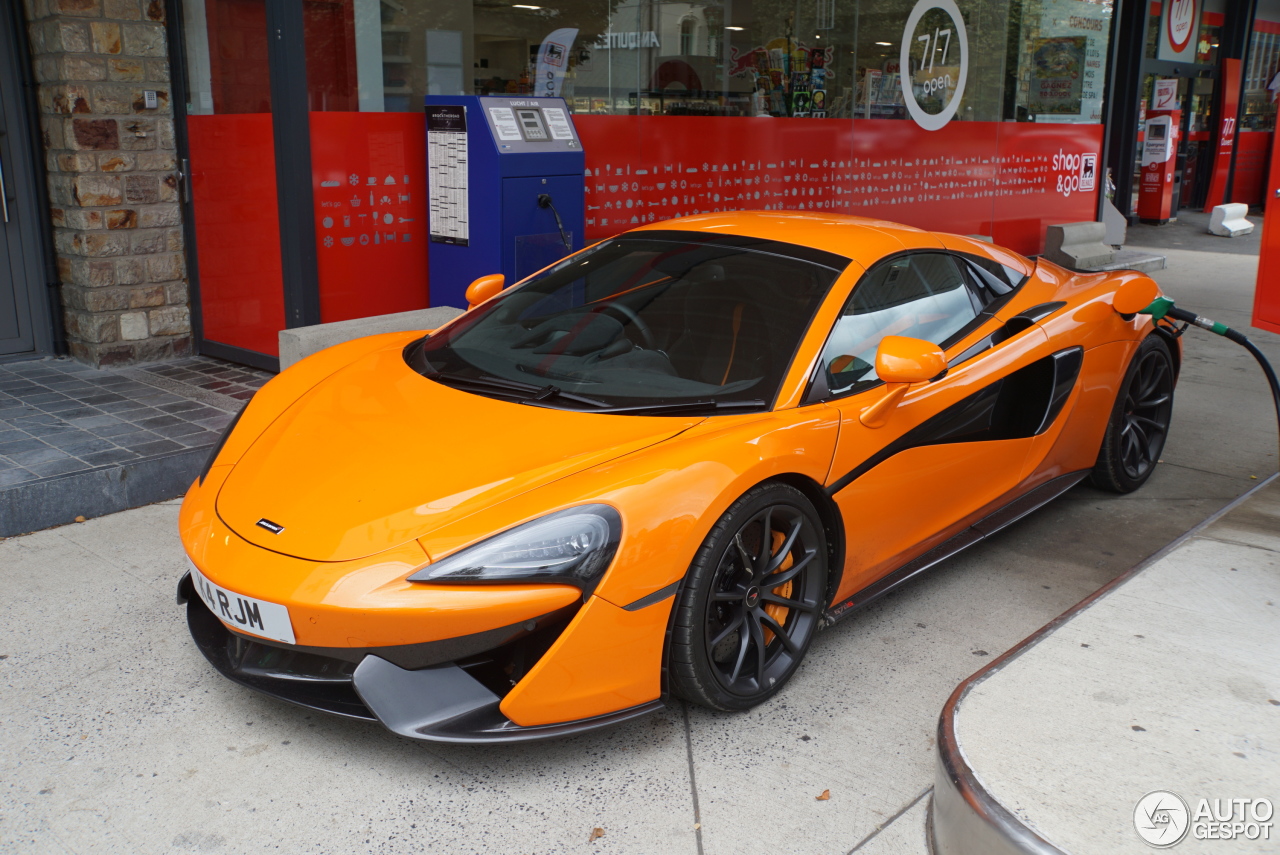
column 1078, row 246
column 300, row 342
column 1229, row 220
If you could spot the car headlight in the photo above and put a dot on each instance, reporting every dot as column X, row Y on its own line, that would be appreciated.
column 571, row 547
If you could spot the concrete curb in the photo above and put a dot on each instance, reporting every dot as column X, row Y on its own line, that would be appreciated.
column 47, row 502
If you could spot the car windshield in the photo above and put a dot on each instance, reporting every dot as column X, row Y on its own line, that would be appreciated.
column 649, row 322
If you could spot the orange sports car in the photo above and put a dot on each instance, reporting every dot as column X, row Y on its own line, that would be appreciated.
column 656, row 468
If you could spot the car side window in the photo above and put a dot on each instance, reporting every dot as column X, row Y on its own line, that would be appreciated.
column 992, row 281
column 921, row 295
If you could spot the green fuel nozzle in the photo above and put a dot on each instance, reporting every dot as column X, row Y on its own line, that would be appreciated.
column 1163, row 307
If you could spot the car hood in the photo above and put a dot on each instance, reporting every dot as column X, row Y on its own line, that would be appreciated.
column 376, row 455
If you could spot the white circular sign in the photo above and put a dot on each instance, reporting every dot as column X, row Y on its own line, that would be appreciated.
column 1161, row 818
column 935, row 48
column 1182, row 15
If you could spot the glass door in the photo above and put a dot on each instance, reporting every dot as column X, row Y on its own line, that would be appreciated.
column 232, row 179
column 369, row 62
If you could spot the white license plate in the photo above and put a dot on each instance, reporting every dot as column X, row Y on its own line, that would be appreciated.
column 245, row 614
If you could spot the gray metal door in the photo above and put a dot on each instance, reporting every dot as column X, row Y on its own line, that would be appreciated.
column 24, row 309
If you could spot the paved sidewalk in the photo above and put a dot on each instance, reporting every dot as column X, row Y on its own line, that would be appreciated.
column 78, row 441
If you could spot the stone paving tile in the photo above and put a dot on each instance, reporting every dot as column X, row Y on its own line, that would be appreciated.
column 30, row 458
column 198, row 440
column 113, row 455
column 9, row 477
column 160, row 446
column 58, row 416
column 180, row 429
column 58, row 467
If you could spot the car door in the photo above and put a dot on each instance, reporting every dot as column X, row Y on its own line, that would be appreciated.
column 953, row 445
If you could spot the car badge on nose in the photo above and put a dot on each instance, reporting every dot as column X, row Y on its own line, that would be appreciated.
column 274, row 528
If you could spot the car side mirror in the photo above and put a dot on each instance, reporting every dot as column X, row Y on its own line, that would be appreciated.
column 901, row 361
column 484, row 288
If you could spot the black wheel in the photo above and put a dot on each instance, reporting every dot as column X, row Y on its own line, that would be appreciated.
column 751, row 602
column 1139, row 421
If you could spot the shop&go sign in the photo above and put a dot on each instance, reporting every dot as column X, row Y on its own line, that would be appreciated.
column 935, row 62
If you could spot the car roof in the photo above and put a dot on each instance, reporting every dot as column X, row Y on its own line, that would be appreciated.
column 863, row 239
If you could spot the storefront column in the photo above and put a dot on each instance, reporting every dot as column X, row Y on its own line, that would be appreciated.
column 106, row 118
column 1237, row 27
column 1128, row 45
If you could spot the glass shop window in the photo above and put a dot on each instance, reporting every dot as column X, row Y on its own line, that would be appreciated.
column 1262, row 66
column 1058, row 61
column 1031, row 60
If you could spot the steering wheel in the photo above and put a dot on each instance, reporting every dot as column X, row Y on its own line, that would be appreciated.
column 630, row 315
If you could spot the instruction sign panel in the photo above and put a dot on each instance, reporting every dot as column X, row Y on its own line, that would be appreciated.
column 504, row 122
column 448, row 175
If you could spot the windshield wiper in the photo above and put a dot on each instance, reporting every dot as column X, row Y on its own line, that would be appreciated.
column 687, row 406
column 527, row 391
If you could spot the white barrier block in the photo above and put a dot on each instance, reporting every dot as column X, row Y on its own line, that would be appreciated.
column 1229, row 220
column 1078, row 246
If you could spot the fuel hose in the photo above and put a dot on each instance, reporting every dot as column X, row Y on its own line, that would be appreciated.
column 1163, row 308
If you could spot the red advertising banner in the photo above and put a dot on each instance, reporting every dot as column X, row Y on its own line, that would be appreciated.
column 1228, row 109
column 237, row 229
column 1249, row 182
column 1003, row 179
column 368, row 174
column 1266, row 292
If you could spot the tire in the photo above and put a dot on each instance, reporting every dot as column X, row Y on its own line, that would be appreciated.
column 1139, row 422
column 739, row 601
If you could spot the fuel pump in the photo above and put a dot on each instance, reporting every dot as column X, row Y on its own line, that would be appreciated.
column 506, row 189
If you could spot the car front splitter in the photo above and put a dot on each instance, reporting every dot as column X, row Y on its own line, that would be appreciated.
column 446, row 704
column 440, row 703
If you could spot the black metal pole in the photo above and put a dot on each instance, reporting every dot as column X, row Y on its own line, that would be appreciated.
column 287, row 60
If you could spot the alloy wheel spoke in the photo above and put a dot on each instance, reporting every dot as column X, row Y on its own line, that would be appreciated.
column 773, row 580
column 776, row 560
column 727, row 631
column 1130, row 452
column 1157, row 375
column 766, row 544
column 728, row 596
column 1155, row 425
column 744, row 642
column 779, row 633
column 757, row 638
column 1141, row 435
column 808, row 608
column 748, row 563
column 1151, row 403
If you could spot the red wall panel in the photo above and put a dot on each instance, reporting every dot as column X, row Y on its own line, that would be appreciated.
column 1008, row 180
column 237, row 228
column 1252, row 151
column 367, row 165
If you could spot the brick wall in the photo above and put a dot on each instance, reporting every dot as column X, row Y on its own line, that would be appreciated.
column 113, row 181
